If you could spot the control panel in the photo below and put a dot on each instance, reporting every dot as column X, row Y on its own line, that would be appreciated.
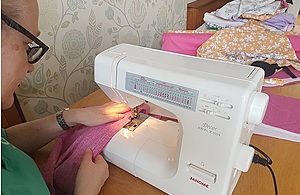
column 215, row 105
column 173, row 94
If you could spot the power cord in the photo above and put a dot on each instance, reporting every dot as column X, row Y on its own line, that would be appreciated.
column 266, row 162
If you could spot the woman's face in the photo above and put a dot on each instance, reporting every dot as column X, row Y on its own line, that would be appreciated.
column 14, row 65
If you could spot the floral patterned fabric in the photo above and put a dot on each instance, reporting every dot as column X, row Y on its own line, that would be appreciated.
column 262, row 17
column 248, row 43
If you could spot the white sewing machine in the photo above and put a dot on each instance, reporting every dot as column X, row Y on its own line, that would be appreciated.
column 216, row 104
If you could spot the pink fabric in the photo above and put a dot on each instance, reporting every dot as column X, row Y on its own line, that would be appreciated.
column 183, row 43
column 188, row 43
column 61, row 168
column 281, row 74
column 283, row 112
column 295, row 41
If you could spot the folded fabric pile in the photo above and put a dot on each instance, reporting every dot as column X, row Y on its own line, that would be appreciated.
column 249, row 43
column 237, row 12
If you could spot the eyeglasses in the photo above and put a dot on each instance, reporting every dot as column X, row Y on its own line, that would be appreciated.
column 36, row 49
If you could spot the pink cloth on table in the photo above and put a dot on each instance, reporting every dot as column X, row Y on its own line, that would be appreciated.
column 61, row 168
column 188, row 43
column 283, row 112
column 184, row 43
column 295, row 41
column 281, row 74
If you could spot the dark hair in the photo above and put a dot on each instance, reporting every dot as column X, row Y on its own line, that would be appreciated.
column 10, row 8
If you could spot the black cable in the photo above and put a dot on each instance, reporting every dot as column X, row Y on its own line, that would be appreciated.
column 274, row 178
column 269, row 160
column 266, row 162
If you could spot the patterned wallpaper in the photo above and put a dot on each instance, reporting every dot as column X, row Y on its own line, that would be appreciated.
column 76, row 31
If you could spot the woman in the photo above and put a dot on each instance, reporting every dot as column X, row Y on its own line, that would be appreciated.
column 19, row 50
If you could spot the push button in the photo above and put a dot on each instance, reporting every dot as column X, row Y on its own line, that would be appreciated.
column 204, row 174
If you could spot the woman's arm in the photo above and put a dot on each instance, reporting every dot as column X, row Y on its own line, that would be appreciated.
column 33, row 135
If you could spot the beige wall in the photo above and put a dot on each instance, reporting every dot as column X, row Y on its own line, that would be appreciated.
column 76, row 31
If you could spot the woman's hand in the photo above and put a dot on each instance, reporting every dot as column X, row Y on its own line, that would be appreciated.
column 91, row 175
column 96, row 115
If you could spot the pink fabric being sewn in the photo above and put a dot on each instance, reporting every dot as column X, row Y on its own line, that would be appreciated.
column 61, row 168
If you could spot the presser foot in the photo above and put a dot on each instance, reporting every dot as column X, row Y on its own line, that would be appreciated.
column 135, row 122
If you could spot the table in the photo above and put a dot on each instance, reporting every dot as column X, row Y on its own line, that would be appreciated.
column 258, row 180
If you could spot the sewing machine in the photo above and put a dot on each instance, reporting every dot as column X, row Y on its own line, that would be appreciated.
column 215, row 104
